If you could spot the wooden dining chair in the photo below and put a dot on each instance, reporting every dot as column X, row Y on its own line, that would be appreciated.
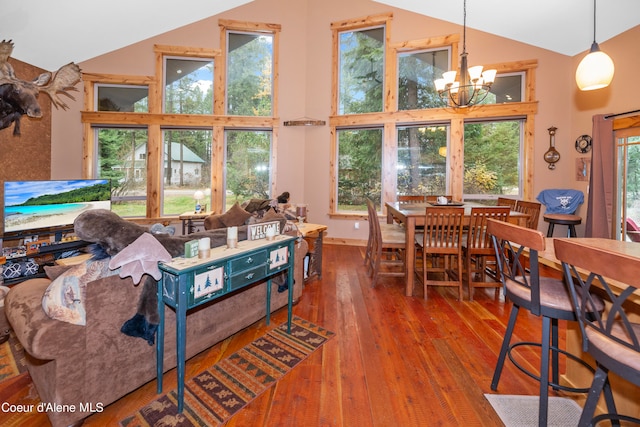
column 612, row 338
column 412, row 198
column 530, row 208
column 516, row 250
column 505, row 201
column 477, row 248
column 440, row 244
column 388, row 247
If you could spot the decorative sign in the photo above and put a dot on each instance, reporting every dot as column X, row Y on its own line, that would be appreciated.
column 278, row 257
column 191, row 249
column 259, row 231
column 208, row 282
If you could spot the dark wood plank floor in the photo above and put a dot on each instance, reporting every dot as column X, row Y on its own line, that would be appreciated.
column 396, row 360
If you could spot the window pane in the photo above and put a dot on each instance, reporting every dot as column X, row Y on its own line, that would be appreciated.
column 492, row 152
column 359, row 168
column 249, row 74
column 361, row 71
column 188, row 86
column 122, row 157
column 506, row 88
column 422, row 160
column 416, row 73
column 125, row 99
column 187, row 169
column 248, row 173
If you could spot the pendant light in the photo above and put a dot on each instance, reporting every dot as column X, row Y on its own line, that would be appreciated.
column 595, row 71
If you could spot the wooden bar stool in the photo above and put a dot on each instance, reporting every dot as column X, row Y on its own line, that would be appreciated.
column 562, row 219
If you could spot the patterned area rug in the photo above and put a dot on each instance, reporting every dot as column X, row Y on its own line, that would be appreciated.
column 12, row 361
column 522, row 411
column 216, row 394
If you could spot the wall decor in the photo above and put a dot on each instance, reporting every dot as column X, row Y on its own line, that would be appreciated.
column 552, row 155
column 19, row 97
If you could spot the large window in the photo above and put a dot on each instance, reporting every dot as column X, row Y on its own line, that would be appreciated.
column 248, row 165
column 188, row 86
column 122, row 158
column 361, row 70
column 249, row 74
column 627, row 208
column 187, row 169
column 359, row 168
column 416, row 73
column 492, row 159
column 422, row 159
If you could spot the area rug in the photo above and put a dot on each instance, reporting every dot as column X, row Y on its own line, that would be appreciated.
column 215, row 395
column 12, row 361
column 522, row 411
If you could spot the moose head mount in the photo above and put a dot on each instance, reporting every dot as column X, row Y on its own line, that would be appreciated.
column 19, row 97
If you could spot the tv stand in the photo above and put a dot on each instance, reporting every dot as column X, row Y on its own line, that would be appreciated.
column 42, row 252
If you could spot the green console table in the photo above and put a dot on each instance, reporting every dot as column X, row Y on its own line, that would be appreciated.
column 189, row 282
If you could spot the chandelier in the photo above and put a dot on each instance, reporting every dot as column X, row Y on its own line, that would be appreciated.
column 595, row 71
column 474, row 84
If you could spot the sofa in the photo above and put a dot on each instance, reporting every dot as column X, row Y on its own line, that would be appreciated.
column 86, row 367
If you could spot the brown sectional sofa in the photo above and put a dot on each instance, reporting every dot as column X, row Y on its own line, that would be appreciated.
column 88, row 367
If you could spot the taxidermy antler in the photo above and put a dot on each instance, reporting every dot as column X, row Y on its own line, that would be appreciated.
column 19, row 97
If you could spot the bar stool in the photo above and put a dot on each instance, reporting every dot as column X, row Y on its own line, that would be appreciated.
column 561, row 206
column 545, row 297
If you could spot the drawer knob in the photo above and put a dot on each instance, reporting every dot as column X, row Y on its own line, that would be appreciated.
column 249, row 260
column 249, row 276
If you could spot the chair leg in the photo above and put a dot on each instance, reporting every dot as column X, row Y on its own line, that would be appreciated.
column 600, row 378
column 572, row 231
column 550, row 229
column 543, row 407
column 505, row 347
column 554, row 353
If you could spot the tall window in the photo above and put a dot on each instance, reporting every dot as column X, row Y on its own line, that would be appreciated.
column 628, row 182
column 188, row 86
column 492, row 158
column 187, row 169
column 416, row 73
column 249, row 74
column 359, row 168
column 361, row 70
column 248, row 165
column 422, row 159
column 122, row 158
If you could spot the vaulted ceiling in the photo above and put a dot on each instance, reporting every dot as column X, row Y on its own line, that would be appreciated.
column 50, row 34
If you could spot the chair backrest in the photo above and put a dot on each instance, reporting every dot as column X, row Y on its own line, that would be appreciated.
column 443, row 229
column 530, row 208
column 505, row 201
column 511, row 242
column 374, row 226
column 411, row 198
column 478, row 240
column 633, row 231
column 561, row 201
column 586, row 266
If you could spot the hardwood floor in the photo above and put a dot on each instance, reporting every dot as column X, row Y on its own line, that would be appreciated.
column 396, row 360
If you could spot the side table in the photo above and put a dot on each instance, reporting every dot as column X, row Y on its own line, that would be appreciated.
column 313, row 234
column 188, row 219
column 189, row 282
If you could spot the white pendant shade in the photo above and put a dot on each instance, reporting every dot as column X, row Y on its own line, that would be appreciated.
column 595, row 71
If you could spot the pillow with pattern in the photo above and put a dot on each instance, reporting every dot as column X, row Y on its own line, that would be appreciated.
column 64, row 298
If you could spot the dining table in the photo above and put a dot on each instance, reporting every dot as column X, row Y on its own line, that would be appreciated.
column 412, row 215
column 625, row 393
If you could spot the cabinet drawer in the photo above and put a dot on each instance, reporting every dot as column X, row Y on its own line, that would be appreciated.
column 248, row 276
column 208, row 283
column 248, row 261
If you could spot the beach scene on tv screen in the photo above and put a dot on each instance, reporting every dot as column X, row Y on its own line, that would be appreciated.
column 49, row 204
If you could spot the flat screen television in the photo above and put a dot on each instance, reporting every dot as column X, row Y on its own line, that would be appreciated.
column 34, row 206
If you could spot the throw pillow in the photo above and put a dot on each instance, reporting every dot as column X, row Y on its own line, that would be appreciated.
column 235, row 216
column 64, row 298
column 213, row 222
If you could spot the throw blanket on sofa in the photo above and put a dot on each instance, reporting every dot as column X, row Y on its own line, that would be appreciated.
column 114, row 235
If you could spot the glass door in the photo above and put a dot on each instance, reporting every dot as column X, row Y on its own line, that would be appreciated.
column 628, row 184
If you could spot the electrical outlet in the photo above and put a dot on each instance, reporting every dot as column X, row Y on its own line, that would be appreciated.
column 356, row 225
